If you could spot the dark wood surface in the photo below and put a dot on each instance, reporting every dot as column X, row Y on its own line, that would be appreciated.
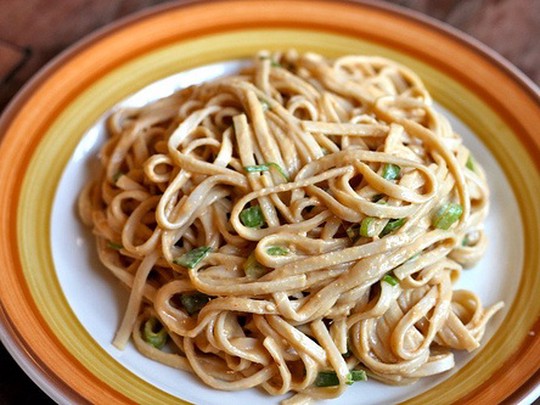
column 32, row 32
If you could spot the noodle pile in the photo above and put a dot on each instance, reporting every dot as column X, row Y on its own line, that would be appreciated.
column 293, row 227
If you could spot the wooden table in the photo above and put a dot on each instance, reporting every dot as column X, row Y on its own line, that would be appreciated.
column 34, row 31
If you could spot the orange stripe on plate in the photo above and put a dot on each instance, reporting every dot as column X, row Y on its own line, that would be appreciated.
column 58, row 86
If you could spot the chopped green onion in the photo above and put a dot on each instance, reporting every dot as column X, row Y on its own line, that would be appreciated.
column 194, row 302
column 193, row 257
column 353, row 232
column 390, row 171
column 156, row 339
column 115, row 246
column 252, row 217
column 358, row 375
column 266, row 167
column 465, row 241
column 447, row 215
column 272, row 62
column 328, row 379
column 366, row 227
column 277, row 251
column 117, row 176
column 392, row 225
column 470, row 163
column 390, row 280
column 253, row 268
column 265, row 105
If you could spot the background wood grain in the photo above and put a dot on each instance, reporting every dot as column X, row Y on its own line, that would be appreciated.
column 38, row 30
column 32, row 32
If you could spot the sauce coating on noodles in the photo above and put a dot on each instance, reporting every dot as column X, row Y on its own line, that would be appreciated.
column 294, row 227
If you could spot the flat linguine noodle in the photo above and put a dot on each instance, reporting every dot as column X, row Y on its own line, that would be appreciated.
column 294, row 227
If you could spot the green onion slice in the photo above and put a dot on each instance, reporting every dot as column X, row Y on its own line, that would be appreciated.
column 470, row 163
column 117, row 176
column 265, row 105
column 447, row 215
column 266, row 167
column 252, row 268
column 151, row 336
column 327, row 379
column 330, row 378
column 252, row 217
column 277, row 251
column 390, row 280
column 358, row 375
column 193, row 257
column 366, row 227
column 194, row 302
column 390, row 171
column 392, row 225
column 113, row 245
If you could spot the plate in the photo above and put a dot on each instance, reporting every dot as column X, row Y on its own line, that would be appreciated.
column 60, row 309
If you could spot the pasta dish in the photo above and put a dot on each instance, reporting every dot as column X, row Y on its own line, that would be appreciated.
column 296, row 227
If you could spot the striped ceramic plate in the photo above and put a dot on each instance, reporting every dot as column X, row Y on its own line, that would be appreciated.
column 59, row 309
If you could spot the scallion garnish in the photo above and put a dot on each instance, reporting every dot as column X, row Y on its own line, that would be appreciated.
column 266, row 167
column 194, row 302
column 252, row 217
column 358, row 375
column 387, row 278
column 390, row 171
column 328, row 379
column 253, row 269
column 470, row 163
column 391, row 226
column 366, row 227
column 113, row 245
column 447, row 215
column 272, row 62
column 277, row 251
column 193, row 257
column 151, row 336
column 265, row 105
column 117, row 176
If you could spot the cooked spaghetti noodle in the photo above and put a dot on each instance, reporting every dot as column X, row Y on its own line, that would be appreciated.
column 293, row 227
